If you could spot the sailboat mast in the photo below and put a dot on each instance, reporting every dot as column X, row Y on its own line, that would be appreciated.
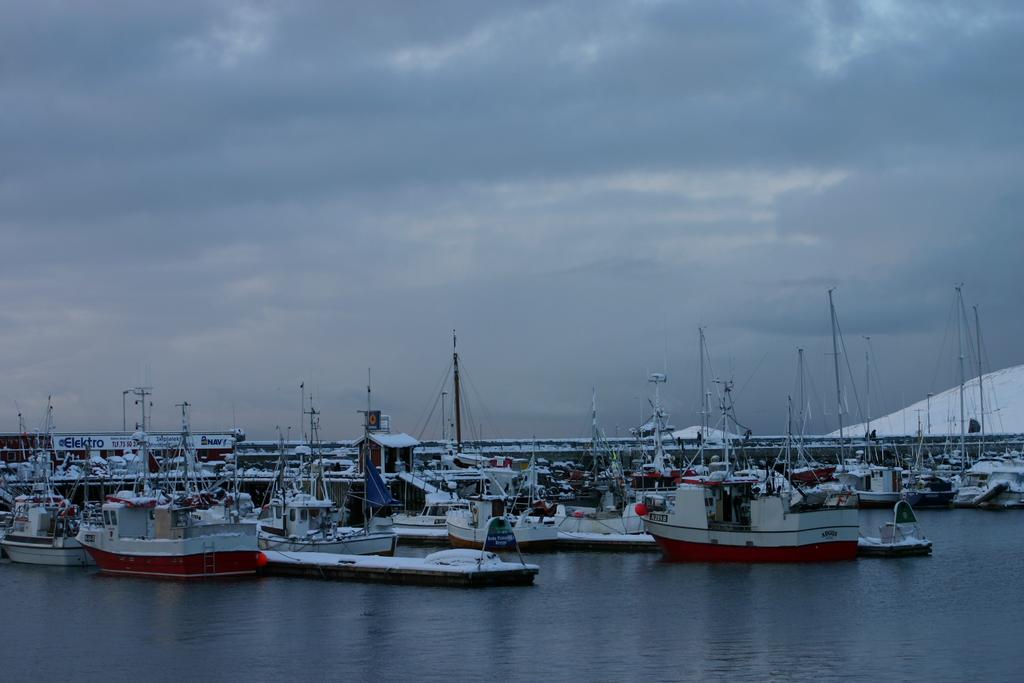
column 457, row 394
column 981, row 389
column 703, row 395
column 835, row 359
column 867, row 377
column 960, row 347
column 594, row 436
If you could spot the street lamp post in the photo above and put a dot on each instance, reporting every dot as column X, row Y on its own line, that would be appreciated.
column 124, row 412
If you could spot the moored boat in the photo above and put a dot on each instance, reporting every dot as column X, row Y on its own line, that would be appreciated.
column 42, row 531
column 898, row 538
column 151, row 536
column 469, row 527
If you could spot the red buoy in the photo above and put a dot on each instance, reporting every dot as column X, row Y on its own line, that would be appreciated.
column 641, row 509
column 261, row 560
column 578, row 514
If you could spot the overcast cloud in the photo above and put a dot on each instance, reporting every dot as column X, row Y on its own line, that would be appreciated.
column 226, row 199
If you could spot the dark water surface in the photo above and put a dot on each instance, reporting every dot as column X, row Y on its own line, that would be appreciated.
column 958, row 615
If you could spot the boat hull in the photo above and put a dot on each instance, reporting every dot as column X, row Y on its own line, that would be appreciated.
column 532, row 538
column 685, row 551
column 371, row 544
column 72, row 554
column 524, row 546
column 774, row 535
column 202, row 565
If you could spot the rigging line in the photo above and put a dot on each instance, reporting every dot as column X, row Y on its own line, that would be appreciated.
column 756, row 368
column 849, row 370
column 437, row 397
column 942, row 347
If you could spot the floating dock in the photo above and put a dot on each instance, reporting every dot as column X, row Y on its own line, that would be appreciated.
column 567, row 540
column 578, row 540
column 460, row 568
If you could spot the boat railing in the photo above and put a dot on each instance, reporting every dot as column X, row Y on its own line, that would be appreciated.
column 198, row 530
column 728, row 526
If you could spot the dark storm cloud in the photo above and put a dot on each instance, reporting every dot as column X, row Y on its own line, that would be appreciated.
column 229, row 198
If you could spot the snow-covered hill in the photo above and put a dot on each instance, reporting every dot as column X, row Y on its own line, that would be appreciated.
column 1004, row 409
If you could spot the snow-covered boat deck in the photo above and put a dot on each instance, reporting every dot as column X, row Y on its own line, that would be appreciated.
column 463, row 568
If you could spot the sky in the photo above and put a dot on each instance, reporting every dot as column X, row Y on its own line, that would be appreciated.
column 224, row 200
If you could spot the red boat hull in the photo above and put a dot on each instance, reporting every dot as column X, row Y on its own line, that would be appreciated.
column 821, row 474
column 684, row 551
column 230, row 563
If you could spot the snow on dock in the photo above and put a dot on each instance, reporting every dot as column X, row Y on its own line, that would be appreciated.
column 465, row 568
column 578, row 540
column 419, row 483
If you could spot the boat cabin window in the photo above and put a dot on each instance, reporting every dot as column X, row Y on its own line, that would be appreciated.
column 180, row 518
column 302, row 514
column 277, row 512
column 314, row 513
column 291, row 514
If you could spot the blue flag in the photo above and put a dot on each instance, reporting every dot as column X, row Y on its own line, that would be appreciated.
column 377, row 493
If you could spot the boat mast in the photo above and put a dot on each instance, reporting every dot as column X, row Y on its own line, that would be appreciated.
column 703, row 396
column 835, row 358
column 867, row 376
column 594, row 435
column 457, row 395
column 960, row 346
column 659, row 453
column 981, row 390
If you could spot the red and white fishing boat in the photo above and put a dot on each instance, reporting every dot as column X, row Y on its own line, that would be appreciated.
column 730, row 516
column 149, row 536
column 722, row 519
column 164, row 535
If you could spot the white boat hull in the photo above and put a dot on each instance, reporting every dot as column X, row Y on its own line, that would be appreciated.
column 528, row 537
column 356, row 544
column 70, row 553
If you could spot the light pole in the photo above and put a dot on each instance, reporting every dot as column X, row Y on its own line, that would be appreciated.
column 124, row 412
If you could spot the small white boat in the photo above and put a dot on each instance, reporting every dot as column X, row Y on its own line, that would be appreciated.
column 434, row 513
column 476, row 527
column 898, row 538
column 42, row 531
column 305, row 523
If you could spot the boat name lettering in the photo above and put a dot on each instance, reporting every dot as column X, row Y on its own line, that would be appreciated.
column 658, row 517
column 829, row 533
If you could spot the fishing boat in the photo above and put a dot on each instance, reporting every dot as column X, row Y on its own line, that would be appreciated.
column 469, row 527
column 161, row 534
column 728, row 516
column 42, row 531
column 301, row 522
column 149, row 535
column 898, row 538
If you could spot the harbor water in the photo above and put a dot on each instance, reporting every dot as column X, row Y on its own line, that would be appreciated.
column 591, row 616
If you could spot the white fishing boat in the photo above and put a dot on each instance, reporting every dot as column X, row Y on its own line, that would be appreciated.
column 469, row 527
column 42, row 531
column 900, row 537
column 300, row 522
